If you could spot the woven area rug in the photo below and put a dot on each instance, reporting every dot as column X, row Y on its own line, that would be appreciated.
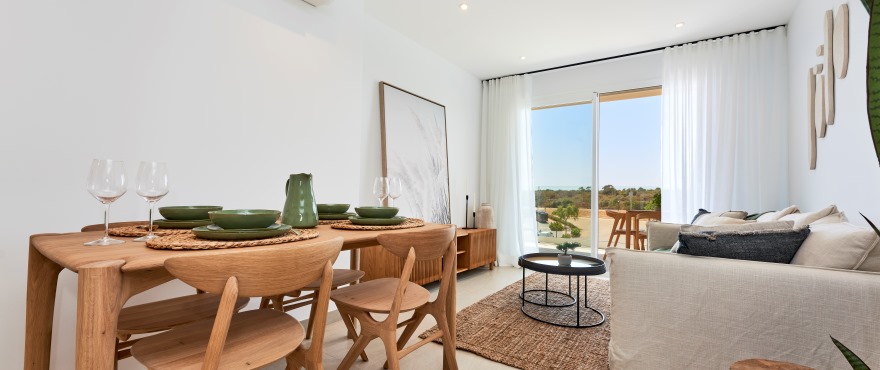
column 496, row 329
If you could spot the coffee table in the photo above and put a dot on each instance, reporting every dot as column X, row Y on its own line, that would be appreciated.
column 548, row 264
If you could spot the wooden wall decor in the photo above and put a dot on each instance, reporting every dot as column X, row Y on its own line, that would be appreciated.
column 834, row 52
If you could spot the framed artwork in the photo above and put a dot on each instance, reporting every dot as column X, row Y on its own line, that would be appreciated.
column 414, row 150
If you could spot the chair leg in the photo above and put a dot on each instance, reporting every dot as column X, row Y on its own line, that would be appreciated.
column 448, row 347
column 359, row 345
column 349, row 326
column 312, row 311
column 409, row 330
column 391, row 355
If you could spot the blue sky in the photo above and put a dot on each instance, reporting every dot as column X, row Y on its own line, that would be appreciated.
column 629, row 144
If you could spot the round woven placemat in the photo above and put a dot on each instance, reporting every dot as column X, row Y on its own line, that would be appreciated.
column 408, row 224
column 331, row 222
column 192, row 242
column 142, row 230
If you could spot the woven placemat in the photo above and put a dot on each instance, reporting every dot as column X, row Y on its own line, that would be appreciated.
column 331, row 222
column 192, row 242
column 142, row 230
column 408, row 224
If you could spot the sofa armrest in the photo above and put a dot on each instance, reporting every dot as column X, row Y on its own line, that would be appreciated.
column 662, row 235
column 675, row 311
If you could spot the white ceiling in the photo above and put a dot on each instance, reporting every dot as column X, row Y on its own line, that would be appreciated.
column 490, row 37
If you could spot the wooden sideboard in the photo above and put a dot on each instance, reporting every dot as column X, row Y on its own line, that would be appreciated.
column 476, row 248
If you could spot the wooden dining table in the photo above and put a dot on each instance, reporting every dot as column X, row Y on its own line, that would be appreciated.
column 109, row 275
column 632, row 229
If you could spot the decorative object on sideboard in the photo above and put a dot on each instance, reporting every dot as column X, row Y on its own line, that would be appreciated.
column 835, row 53
column 486, row 217
column 467, row 204
column 300, row 208
column 414, row 149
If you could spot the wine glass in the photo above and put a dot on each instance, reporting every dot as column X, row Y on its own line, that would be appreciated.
column 380, row 188
column 395, row 188
column 152, row 185
column 106, row 182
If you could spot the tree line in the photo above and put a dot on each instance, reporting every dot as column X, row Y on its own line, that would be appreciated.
column 609, row 198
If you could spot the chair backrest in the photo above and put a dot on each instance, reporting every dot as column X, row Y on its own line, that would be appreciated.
column 648, row 215
column 267, row 271
column 100, row 227
column 423, row 245
column 428, row 245
column 618, row 219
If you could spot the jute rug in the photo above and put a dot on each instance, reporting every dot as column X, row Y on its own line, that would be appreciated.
column 496, row 329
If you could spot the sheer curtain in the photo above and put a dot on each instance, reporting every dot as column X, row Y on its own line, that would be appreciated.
column 506, row 164
column 724, row 135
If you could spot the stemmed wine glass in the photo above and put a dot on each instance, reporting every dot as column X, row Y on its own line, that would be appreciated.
column 380, row 188
column 152, row 185
column 106, row 182
column 395, row 188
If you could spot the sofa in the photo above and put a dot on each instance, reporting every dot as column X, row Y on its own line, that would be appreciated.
column 675, row 311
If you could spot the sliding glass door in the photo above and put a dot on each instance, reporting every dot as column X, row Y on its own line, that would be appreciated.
column 625, row 171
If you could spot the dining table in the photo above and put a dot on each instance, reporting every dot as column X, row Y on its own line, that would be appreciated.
column 632, row 229
column 109, row 275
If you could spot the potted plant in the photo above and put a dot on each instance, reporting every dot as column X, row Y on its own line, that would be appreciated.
column 565, row 258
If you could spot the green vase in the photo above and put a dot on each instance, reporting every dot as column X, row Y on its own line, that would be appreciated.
column 300, row 209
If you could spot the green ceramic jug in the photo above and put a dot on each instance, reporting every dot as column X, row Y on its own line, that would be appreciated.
column 300, row 209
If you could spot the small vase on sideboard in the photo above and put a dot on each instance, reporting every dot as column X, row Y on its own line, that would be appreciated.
column 485, row 216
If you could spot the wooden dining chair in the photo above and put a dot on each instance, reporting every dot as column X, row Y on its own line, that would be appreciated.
column 250, row 339
column 298, row 299
column 617, row 228
column 161, row 315
column 642, row 233
column 393, row 296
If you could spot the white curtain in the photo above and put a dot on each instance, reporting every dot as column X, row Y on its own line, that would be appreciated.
column 724, row 135
column 506, row 165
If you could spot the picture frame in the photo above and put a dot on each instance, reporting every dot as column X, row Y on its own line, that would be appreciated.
column 414, row 149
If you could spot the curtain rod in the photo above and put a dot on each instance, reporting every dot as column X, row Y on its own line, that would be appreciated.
column 636, row 52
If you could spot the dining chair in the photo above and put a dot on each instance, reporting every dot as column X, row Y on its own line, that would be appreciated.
column 161, row 315
column 617, row 228
column 393, row 296
column 297, row 299
column 250, row 339
column 642, row 233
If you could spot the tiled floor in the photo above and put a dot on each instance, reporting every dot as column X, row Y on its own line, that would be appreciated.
column 472, row 286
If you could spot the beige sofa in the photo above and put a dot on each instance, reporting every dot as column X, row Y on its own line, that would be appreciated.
column 672, row 311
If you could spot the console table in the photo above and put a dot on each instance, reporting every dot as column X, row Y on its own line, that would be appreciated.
column 476, row 248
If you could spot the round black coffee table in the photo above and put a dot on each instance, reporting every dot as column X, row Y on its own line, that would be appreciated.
column 548, row 264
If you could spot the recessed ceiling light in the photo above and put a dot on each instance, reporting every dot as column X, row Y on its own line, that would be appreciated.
column 679, row 25
column 463, row 6
column 522, row 58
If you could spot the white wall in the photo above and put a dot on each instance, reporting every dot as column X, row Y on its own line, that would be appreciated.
column 234, row 95
column 576, row 84
column 847, row 173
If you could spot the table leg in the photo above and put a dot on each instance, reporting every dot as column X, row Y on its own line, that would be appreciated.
column 354, row 260
column 42, row 281
column 628, row 228
column 97, row 314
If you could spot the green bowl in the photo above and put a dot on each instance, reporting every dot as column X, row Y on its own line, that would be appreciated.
column 333, row 208
column 244, row 218
column 376, row 212
column 184, row 213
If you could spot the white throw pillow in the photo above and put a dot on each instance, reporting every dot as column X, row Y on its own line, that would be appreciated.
column 804, row 219
column 773, row 216
column 705, row 219
column 836, row 245
column 831, row 219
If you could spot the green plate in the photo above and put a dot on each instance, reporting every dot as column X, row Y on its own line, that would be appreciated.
column 377, row 221
column 334, row 216
column 180, row 224
column 241, row 234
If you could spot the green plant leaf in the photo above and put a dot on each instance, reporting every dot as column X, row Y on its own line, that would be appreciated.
column 867, row 6
column 852, row 358
column 873, row 76
column 872, row 224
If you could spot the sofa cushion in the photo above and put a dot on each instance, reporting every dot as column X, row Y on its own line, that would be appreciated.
column 838, row 245
column 752, row 226
column 773, row 216
column 804, row 219
column 831, row 219
column 703, row 216
column 758, row 245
